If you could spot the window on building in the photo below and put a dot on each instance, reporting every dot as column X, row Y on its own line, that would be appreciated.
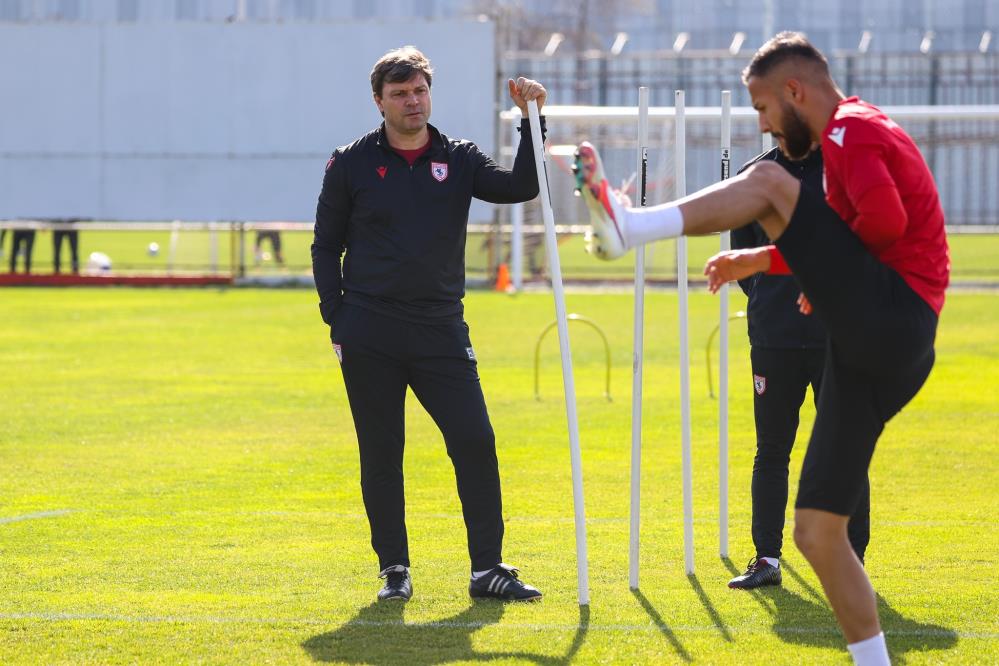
column 424, row 8
column 68, row 10
column 304, row 10
column 364, row 9
column 187, row 10
column 128, row 10
column 912, row 15
column 10, row 10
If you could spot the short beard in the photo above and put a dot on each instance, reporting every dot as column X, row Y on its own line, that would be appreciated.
column 797, row 136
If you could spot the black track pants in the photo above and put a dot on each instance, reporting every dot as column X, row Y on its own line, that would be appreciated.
column 380, row 357
column 780, row 379
column 73, row 237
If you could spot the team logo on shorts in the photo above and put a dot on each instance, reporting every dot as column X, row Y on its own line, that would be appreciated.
column 439, row 171
column 338, row 350
column 471, row 353
column 760, row 384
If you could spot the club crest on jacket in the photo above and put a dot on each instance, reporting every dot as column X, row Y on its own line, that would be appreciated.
column 439, row 171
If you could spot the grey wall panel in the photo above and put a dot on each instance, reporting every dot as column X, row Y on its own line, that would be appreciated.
column 168, row 89
column 49, row 89
column 263, row 189
column 49, row 187
column 210, row 121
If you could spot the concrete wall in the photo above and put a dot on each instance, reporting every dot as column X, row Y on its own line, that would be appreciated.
column 209, row 121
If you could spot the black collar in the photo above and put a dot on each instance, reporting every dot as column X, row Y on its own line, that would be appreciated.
column 810, row 160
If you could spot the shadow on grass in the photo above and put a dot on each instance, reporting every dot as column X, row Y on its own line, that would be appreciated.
column 803, row 621
column 662, row 626
column 708, row 606
column 379, row 635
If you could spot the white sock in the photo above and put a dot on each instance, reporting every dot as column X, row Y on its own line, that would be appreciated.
column 870, row 652
column 476, row 575
column 772, row 561
column 644, row 225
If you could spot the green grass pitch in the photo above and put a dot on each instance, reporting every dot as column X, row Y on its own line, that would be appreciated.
column 179, row 484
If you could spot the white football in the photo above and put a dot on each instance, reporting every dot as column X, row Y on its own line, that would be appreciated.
column 99, row 262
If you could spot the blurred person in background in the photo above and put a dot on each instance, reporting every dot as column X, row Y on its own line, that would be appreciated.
column 22, row 245
column 72, row 236
column 274, row 237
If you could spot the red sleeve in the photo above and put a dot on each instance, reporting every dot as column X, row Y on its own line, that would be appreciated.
column 777, row 264
column 870, row 187
column 881, row 217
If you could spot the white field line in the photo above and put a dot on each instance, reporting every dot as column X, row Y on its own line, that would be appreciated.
column 707, row 518
column 446, row 624
column 33, row 516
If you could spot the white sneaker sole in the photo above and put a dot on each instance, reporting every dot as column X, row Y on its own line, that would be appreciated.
column 605, row 239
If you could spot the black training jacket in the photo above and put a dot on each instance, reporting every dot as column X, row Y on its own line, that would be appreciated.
column 403, row 228
column 774, row 319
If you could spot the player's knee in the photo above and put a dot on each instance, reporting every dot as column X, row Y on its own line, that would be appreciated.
column 771, row 176
column 808, row 536
column 818, row 532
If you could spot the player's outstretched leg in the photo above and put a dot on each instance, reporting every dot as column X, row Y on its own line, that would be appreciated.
column 764, row 192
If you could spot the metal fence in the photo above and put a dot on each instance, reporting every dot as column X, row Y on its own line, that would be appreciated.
column 602, row 79
column 960, row 143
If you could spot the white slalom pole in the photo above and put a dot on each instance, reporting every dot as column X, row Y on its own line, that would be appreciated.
column 551, row 245
column 726, row 243
column 680, row 172
column 517, row 222
column 636, row 380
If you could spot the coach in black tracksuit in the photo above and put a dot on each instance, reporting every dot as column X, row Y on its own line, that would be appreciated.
column 397, row 201
column 788, row 355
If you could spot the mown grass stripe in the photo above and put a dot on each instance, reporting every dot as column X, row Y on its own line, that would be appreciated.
column 446, row 624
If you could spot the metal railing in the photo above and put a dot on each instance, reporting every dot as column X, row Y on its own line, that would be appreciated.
column 960, row 144
column 601, row 79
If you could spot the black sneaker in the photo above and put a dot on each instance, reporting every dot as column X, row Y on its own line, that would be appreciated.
column 398, row 584
column 501, row 583
column 758, row 573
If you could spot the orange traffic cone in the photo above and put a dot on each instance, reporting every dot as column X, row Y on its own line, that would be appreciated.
column 503, row 279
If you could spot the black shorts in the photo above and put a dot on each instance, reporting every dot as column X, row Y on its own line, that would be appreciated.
column 879, row 353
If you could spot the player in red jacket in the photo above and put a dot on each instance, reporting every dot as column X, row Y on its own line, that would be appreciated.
column 871, row 257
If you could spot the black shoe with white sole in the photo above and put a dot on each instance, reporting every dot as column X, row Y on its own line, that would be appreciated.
column 758, row 574
column 398, row 584
column 502, row 583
